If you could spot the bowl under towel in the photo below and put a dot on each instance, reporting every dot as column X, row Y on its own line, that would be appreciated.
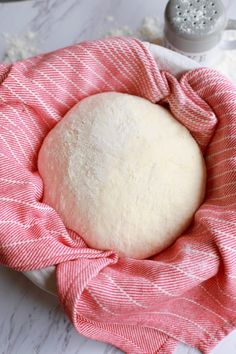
column 188, row 292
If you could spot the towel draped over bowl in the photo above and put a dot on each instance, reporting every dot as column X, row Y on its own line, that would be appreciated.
column 186, row 293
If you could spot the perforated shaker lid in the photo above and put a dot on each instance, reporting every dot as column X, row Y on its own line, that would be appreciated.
column 194, row 26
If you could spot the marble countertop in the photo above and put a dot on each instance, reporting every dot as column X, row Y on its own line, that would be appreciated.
column 31, row 321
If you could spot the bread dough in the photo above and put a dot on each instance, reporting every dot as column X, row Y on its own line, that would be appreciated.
column 123, row 173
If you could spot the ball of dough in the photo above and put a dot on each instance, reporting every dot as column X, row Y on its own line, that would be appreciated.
column 123, row 173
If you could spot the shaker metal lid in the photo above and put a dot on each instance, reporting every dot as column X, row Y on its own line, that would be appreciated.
column 194, row 25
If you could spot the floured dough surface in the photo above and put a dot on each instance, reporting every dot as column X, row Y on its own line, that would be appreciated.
column 123, row 173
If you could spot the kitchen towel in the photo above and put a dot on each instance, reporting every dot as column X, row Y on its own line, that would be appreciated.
column 188, row 292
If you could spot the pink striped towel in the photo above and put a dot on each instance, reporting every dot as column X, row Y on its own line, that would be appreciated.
column 188, row 292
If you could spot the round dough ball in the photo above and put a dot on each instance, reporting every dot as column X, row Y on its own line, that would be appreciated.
column 123, row 173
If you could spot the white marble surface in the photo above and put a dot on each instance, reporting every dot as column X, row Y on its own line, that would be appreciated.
column 31, row 321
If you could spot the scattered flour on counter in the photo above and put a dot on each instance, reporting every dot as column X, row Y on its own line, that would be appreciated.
column 109, row 18
column 151, row 30
column 121, row 31
column 20, row 47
